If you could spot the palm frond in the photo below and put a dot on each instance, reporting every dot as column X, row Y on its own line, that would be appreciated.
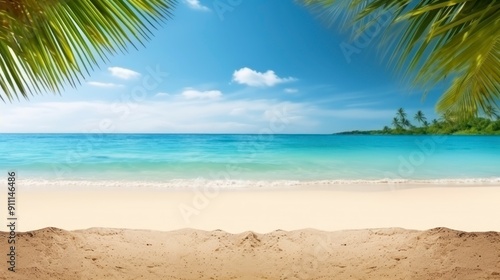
column 437, row 40
column 47, row 43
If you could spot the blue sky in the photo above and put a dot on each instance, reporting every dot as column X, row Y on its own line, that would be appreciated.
column 229, row 66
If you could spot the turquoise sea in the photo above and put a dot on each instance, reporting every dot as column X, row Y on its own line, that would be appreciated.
column 160, row 157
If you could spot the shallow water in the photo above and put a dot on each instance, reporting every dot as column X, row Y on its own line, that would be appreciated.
column 161, row 157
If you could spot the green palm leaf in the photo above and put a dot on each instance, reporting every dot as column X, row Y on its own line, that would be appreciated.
column 47, row 43
column 437, row 40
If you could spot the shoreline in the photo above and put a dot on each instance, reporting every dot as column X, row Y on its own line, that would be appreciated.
column 385, row 184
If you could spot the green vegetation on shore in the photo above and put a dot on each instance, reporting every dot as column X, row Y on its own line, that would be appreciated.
column 446, row 124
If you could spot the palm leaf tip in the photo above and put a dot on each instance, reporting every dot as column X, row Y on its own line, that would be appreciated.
column 438, row 39
column 47, row 43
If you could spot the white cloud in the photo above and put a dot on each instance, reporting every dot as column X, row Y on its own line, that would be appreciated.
column 196, row 5
column 162, row 94
column 291, row 90
column 104, row 85
column 247, row 76
column 172, row 115
column 196, row 94
column 123, row 73
column 237, row 111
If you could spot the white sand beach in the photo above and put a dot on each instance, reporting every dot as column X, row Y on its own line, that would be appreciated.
column 328, row 208
column 407, row 232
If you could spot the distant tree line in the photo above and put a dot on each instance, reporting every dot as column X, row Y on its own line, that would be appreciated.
column 448, row 123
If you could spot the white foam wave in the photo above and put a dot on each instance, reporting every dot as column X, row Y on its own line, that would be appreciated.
column 183, row 184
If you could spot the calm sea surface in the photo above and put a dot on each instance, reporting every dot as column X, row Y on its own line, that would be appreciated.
column 158, row 157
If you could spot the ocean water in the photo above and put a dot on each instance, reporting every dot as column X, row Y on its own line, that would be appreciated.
column 164, row 157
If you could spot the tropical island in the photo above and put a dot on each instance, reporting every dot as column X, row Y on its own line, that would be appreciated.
column 102, row 203
column 448, row 123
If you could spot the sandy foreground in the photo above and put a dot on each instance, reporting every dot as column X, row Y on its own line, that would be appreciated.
column 358, row 234
column 305, row 254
